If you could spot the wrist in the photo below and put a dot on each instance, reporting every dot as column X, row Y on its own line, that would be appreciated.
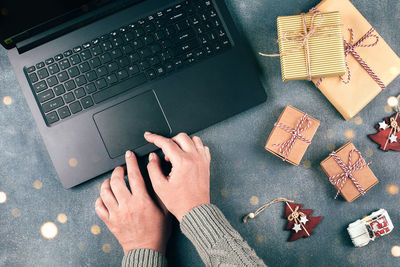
column 179, row 215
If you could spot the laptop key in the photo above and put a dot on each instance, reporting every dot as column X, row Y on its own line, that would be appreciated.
column 52, row 117
column 105, row 58
column 87, row 102
column 77, row 49
column 75, row 107
column 75, row 59
column 151, row 74
column 58, row 57
column 64, row 64
column 30, row 69
column 33, row 77
column 111, row 79
column 45, row 95
column 90, row 88
column 59, row 89
column 73, row 72
column 40, row 65
column 116, row 53
column 69, row 97
column 67, row 53
column 102, row 71
column 85, row 54
column 80, row 92
column 122, row 74
column 95, row 62
column 101, row 83
column 120, row 88
column 49, row 61
column 113, row 66
column 52, row 104
column 70, row 85
column 91, row 76
column 80, row 80
column 84, row 67
column 64, row 112
column 53, row 69
column 62, row 76
column 40, row 86
column 43, row 73
column 52, row 81
column 132, row 70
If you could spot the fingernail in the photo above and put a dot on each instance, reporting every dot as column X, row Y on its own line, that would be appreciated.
column 128, row 154
column 147, row 133
column 151, row 156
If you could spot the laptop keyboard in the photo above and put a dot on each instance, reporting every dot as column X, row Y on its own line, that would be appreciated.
column 114, row 63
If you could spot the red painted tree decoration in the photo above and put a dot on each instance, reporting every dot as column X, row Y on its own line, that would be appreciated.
column 388, row 136
column 299, row 221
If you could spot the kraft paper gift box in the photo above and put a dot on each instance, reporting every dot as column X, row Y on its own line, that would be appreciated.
column 324, row 47
column 282, row 141
column 351, row 98
column 362, row 174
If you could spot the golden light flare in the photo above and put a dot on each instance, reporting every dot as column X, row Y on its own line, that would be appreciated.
column 7, row 100
column 260, row 239
column 224, row 192
column 49, row 230
column 392, row 101
column 73, row 162
column 388, row 109
column 254, row 200
column 37, row 184
column 392, row 189
column 395, row 251
column 330, row 133
column 95, row 229
column 62, row 218
column 369, row 152
column 307, row 164
column 358, row 120
column 3, row 197
column 16, row 213
column 106, row 248
column 349, row 134
column 331, row 147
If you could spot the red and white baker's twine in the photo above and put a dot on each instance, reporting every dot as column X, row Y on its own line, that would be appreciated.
column 348, row 171
column 350, row 49
column 303, row 124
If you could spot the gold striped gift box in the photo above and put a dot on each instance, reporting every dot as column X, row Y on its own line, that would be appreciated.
column 325, row 46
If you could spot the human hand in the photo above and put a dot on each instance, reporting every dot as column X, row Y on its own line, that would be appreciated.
column 188, row 184
column 133, row 218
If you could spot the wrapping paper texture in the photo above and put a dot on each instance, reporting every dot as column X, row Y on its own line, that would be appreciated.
column 365, row 177
column 325, row 47
column 290, row 117
column 351, row 98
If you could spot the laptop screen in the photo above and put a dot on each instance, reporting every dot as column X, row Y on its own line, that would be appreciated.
column 22, row 19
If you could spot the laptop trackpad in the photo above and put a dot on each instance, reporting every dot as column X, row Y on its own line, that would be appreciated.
column 122, row 126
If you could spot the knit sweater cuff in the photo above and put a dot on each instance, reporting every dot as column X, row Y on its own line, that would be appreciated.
column 205, row 225
column 144, row 257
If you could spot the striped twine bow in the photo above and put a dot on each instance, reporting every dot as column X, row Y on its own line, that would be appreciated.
column 303, row 124
column 348, row 171
column 350, row 49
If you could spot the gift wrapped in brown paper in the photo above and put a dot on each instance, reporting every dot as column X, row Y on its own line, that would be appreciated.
column 310, row 46
column 291, row 135
column 348, row 172
column 372, row 64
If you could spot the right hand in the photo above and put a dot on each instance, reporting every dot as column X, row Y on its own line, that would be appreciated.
column 188, row 184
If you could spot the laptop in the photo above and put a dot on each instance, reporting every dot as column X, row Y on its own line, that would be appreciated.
column 97, row 74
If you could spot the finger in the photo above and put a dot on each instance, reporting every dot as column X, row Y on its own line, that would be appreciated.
column 135, row 177
column 185, row 142
column 167, row 145
column 101, row 210
column 107, row 196
column 198, row 143
column 157, row 177
column 118, row 186
column 208, row 154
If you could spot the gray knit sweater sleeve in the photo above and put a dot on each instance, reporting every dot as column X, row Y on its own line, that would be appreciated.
column 215, row 239
column 144, row 258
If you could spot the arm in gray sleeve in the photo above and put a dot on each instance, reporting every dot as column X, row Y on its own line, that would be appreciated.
column 144, row 258
column 215, row 239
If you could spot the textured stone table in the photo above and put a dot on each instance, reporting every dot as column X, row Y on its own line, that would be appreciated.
column 243, row 174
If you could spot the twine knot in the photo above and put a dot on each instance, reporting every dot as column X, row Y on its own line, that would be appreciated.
column 286, row 147
column 294, row 216
column 348, row 171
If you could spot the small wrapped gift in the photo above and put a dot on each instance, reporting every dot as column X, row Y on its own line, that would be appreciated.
column 371, row 63
column 291, row 135
column 310, row 46
column 348, row 172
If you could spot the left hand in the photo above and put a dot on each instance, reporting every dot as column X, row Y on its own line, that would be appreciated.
column 132, row 217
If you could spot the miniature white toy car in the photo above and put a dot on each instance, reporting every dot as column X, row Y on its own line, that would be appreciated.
column 368, row 228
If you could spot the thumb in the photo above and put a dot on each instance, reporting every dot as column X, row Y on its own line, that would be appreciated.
column 157, row 177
